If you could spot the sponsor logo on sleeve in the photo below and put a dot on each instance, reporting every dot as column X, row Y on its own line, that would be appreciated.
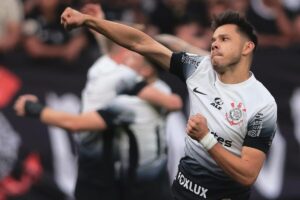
column 190, row 60
column 256, row 126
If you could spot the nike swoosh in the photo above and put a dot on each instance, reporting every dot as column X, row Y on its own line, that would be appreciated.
column 197, row 91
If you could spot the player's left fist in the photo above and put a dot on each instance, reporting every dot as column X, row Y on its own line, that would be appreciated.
column 197, row 127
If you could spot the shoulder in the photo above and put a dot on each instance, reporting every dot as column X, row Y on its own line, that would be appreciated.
column 189, row 58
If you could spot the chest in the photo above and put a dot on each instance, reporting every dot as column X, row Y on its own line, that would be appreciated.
column 227, row 112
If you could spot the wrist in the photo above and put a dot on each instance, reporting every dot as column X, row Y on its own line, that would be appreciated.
column 88, row 21
column 208, row 141
column 33, row 109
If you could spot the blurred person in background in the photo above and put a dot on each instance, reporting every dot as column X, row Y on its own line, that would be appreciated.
column 44, row 37
column 272, row 23
column 216, row 7
column 192, row 32
column 97, row 178
column 143, row 146
column 296, row 29
column 11, row 18
column 241, row 6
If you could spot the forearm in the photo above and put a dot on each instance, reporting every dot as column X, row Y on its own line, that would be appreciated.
column 169, row 102
column 90, row 121
column 125, row 36
column 132, row 39
column 239, row 168
column 60, row 119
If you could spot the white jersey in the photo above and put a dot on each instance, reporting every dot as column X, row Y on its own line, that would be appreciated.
column 148, row 127
column 238, row 115
column 105, row 81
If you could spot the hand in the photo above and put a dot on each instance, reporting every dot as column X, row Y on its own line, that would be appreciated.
column 197, row 127
column 71, row 18
column 94, row 10
column 19, row 105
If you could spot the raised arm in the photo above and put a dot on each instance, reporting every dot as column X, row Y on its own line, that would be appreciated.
column 125, row 36
column 178, row 45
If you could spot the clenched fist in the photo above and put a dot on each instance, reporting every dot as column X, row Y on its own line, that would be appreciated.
column 197, row 127
column 19, row 106
column 71, row 18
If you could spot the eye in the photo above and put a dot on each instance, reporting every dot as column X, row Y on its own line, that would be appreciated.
column 224, row 39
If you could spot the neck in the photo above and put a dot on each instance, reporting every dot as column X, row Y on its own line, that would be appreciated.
column 236, row 74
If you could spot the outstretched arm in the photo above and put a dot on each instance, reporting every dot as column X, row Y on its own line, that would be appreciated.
column 27, row 105
column 125, row 36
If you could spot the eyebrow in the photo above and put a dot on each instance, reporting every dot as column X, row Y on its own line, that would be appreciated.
column 221, row 35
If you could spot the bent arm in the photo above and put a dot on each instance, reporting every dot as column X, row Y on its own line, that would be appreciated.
column 73, row 122
column 170, row 102
column 244, row 169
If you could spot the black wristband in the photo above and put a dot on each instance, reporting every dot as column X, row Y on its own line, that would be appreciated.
column 33, row 109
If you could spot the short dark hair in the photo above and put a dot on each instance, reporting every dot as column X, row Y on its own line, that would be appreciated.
column 233, row 17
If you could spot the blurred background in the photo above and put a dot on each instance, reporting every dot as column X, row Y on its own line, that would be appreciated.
column 38, row 56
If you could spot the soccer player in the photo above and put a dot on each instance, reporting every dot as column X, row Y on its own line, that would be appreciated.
column 233, row 116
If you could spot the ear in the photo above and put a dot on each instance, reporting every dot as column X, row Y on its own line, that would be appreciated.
column 248, row 48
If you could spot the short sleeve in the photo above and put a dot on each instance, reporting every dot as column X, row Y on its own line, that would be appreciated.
column 130, row 83
column 184, row 65
column 262, row 128
column 116, row 115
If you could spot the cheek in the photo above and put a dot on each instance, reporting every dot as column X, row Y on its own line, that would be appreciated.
column 232, row 51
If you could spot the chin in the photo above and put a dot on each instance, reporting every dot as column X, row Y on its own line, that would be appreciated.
column 219, row 68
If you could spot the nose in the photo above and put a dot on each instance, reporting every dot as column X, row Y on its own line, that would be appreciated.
column 214, row 45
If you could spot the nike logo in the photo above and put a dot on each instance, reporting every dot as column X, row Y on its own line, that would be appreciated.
column 197, row 91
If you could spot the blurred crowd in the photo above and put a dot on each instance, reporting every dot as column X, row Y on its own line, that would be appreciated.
column 34, row 25
column 30, row 32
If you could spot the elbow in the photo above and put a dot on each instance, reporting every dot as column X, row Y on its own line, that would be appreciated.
column 247, row 181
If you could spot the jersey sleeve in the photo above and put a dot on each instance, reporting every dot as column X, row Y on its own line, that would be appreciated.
column 115, row 115
column 184, row 64
column 262, row 128
column 130, row 83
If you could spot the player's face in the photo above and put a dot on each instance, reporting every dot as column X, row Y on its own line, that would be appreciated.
column 226, row 48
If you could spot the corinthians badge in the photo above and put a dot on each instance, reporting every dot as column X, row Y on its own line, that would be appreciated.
column 235, row 115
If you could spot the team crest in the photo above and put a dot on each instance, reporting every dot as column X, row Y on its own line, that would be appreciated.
column 235, row 115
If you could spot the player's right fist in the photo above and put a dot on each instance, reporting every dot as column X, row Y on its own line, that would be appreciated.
column 71, row 18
